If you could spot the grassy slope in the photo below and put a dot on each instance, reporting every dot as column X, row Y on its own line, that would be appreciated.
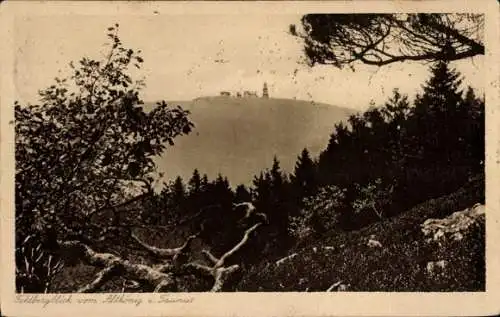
column 399, row 266
column 239, row 137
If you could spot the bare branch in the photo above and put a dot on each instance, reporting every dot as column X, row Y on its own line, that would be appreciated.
column 218, row 271
column 221, row 276
column 165, row 253
column 283, row 260
column 101, row 278
column 333, row 286
column 138, row 272
column 210, row 256
column 238, row 246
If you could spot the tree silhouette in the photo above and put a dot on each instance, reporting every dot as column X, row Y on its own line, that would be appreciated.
column 242, row 194
column 194, row 183
column 304, row 178
column 382, row 39
column 86, row 151
column 439, row 116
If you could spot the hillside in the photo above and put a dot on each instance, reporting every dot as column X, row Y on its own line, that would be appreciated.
column 438, row 245
column 238, row 137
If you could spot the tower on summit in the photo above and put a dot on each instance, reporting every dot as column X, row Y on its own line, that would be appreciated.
column 265, row 91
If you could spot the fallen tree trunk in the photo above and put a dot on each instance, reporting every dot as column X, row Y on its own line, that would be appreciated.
column 159, row 277
column 113, row 266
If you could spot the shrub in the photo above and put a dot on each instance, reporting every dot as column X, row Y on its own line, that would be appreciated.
column 320, row 213
column 373, row 197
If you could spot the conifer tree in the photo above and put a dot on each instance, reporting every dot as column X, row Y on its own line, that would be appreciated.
column 194, row 195
column 262, row 191
column 194, row 183
column 437, row 115
column 204, row 183
column 178, row 194
column 277, row 177
column 242, row 194
column 474, row 131
column 304, row 177
column 223, row 192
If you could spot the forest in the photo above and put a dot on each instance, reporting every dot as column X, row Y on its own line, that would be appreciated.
column 90, row 217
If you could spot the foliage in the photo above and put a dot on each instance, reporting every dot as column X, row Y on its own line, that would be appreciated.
column 304, row 178
column 242, row 194
column 373, row 197
column 400, row 265
column 88, row 147
column 38, row 268
column 320, row 213
column 273, row 197
column 434, row 144
column 382, row 39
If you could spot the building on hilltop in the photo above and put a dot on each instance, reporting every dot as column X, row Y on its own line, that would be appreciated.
column 265, row 91
column 248, row 93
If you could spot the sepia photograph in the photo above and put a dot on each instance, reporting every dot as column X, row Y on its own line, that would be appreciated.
column 231, row 151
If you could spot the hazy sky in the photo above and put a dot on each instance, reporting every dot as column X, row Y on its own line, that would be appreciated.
column 180, row 53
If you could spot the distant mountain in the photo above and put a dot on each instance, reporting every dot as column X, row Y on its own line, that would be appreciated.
column 238, row 137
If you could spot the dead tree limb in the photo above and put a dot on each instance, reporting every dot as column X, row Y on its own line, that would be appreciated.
column 238, row 246
column 286, row 258
column 155, row 277
column 220, row 273
column 334, row 286
column 165, row 253
column 101, row 278
column 113, row 265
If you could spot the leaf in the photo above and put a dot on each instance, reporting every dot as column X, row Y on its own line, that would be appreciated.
column 133, row 169
column 186, row 129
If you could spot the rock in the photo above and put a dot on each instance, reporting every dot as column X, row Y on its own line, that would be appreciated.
column 455, row 226
column 372, row 243
column 436, row 267
column 342, row 287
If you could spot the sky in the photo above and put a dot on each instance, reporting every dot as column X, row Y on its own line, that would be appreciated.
column 188, row 56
